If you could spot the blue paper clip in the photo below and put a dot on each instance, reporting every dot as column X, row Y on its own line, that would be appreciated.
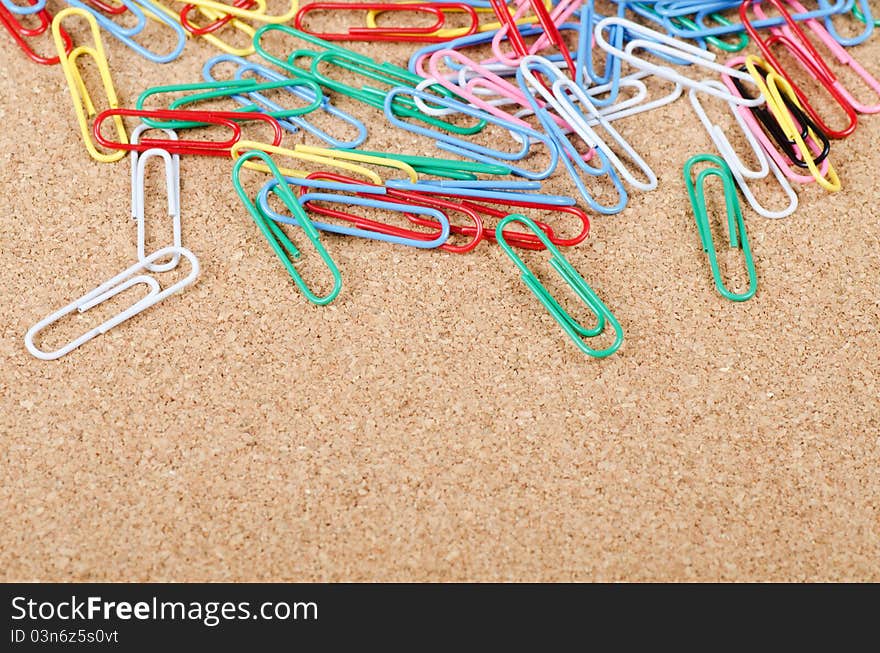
column 480, row 193
column 293, row 123
column 440, row 217
column 126, row 34
column 469, row 149
column 572, row 159
column 25, row 10
column 855, row 40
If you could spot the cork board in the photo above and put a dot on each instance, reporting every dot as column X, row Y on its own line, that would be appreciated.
column 434, row 423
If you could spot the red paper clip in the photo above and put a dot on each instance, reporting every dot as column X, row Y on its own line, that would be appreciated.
column 551, row 30
column 526, row 240
column 808, row 57
column 210, row 27
column 404, row 34
column 204, row 148
column 113, row 10
column 21, row 33
column 475, row 232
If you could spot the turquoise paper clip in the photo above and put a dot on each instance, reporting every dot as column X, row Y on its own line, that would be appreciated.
column 575, row 281
column 736, row 227
column 278, row 240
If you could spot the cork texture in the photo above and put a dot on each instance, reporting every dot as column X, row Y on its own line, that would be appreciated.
column 434, row 423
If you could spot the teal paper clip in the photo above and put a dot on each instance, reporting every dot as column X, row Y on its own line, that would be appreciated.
column 736, row 227
column 278, row 240
column 575, row 281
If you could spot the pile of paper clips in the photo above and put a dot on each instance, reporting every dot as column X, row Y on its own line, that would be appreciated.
column 541, row 81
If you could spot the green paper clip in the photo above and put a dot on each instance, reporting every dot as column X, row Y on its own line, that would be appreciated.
column 449, row 168
column 736, row 227
column 575, row 281
column 386, row 74
column 278, row 240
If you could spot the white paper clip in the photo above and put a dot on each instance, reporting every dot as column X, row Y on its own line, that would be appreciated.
column 740, row 170
column 675, row 48
column 172, row 177
column 122, row 281
column 135, row 155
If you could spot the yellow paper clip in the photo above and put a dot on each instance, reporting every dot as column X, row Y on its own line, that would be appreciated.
column 82, row 101
column 212, row 38
column 773, row 89
column 348, row 155
column 255, row 15
column 243, row 146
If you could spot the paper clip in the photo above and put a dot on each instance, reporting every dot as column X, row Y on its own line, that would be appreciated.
column 202, row 148
column 126, row 34
column 173, row 188
column 574, row 280
column 654, row 41
column 256, row 15
column 468, row 149
column 735, row 225
column 172, row 179
column 740, row 170
column 82, row 101
column 475, row 234
column 211, row 37
column 860, row 8
column 284, row 249
column 428, row 34
column 295, row 122
column 573, row 160
column 797, row 43
column 780, row 96
column 373, row 230
column 34, row 7
column 231, row 88
column 509, row 29
column 20, row 33
column 763, row 125
column 220, row 21
column 449, row 168
column 109, row 289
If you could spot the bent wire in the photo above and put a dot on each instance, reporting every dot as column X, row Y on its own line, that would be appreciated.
column 174, row 188
column 82, row 101
column 658, row 42
column 284, row 249
column 740, row 170
column 469, row 149
column 372, row 231
column 126, row 34
column 36, row 7
column 210, row 37
column 864, row 14
column 123, row 281
column 172, row 176
column 430, row 186
column 572, row 159
column 255, row 15
column 575, row 281
column 735, row 225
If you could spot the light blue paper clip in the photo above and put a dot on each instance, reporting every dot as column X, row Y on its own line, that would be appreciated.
column 126, row 34
column 469, row 149
column 442, row 237
column 481, row 193
column 293, row 123
column 25, row 10
column 854, row 40
column 572, row 159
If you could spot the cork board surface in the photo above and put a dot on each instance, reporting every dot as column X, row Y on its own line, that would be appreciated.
column 433, row 423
